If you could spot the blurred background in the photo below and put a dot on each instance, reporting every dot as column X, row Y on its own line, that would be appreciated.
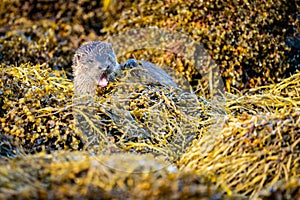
column 254, row 43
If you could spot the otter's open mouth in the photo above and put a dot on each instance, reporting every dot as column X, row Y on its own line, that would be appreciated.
column 103, row 81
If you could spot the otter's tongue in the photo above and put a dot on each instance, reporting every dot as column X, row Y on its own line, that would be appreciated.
column 103, row 82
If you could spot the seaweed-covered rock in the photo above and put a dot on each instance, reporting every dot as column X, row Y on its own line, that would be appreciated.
column 90, row 14
column 34, row 100
column 258, row 145
column 38, row 108
column 143, row 116
column 78, row 175
column 285, row 189
column 39, row 42
column 254, row 154
column 46, row 32
column 247, row 39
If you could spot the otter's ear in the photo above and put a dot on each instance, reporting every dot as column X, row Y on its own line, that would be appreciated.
column 76, row 59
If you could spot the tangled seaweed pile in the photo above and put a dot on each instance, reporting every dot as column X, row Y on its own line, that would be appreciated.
column 78, row 175
column 38, row 111
column 27, row 94
column 250, row 41
column 246, row 38
column 46, row 32
column 258, row 145
column 257, row 148
column 254, row 154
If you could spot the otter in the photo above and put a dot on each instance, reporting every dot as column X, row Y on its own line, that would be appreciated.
column 95, row 64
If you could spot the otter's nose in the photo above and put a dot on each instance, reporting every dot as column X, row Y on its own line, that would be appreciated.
column 109, row 68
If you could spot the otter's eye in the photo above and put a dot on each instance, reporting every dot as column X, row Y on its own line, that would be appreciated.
column 101, row 67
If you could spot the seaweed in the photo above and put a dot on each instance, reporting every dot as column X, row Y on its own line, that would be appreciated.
column 258, row 145
column 246, row 39
column 77, row 175
column 140, row 140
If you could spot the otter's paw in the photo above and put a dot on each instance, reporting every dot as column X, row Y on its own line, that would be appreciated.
column 130, row 64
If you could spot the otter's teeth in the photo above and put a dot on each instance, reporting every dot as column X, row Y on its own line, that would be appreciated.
column 103, row 82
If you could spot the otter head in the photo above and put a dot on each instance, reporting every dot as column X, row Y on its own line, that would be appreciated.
column 94, row 63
